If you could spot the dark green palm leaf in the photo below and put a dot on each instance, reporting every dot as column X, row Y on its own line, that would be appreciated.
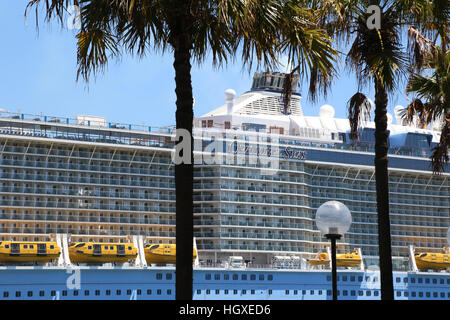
column 359, row 108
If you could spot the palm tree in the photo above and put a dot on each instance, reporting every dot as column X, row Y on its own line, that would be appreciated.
column 376, row 56
column 261, row 30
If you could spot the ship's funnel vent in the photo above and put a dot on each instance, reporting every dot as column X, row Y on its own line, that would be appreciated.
column 272, row 81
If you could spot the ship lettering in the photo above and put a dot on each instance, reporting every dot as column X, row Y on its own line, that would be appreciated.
column 290, row 153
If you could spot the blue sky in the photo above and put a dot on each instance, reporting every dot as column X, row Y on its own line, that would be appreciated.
column 38, row 75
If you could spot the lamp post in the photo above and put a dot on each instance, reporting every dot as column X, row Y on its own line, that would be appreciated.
column 333, row 219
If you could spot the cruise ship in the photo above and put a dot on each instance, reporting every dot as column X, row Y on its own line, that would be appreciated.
column 261, row 172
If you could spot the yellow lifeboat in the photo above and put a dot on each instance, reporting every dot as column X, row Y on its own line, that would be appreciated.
column 162, row 253
column 432, row 261
column 319, row 260
column 89, row 252
column 352, row 259
column 28, row 251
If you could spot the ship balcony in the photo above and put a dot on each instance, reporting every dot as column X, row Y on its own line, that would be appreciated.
column 268, row 189
column 267, row 212
column 77, row 218
column 206, row 234
column 88, row 180
column 268, row 236
column 266, row 224
column 253, row 176
column 206, row 198
column 83, row 205
column 206, row 223
column 251, row 247
column 272, row 200
column 90, row 193
column 206, row 210
column 94, row 232
column 203, row 186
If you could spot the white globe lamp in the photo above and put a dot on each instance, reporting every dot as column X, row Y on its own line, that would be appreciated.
column 333, row 218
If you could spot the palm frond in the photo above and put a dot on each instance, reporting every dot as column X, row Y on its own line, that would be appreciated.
column 435, row 87
column 419, row 46
column 378, row 54
column 94, row 48
column 287, row 88
column 53, row 8
column 359, row 108
column 423, row 112
column 440, row 155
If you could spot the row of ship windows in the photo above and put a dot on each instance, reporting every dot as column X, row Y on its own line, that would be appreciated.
column 208, row 276
column 345, row 293
column 129, row 292
column 397, row 279
column 75, row 293
column 261, row 277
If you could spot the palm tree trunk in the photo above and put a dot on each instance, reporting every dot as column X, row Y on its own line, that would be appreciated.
column 182, row 44
column 382, row 188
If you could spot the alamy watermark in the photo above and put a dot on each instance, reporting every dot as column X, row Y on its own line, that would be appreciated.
column 213, row 146
column 374, row 20
column 74, row 280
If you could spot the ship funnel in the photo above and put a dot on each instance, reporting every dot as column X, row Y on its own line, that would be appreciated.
column 273, row 81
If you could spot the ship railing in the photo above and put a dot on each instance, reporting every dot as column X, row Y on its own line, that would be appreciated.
column 148, row 141
column 95, row 137
column 85, row 232
column 100, row 123
column 222, row 265
column 326, row 140
column 22, row 124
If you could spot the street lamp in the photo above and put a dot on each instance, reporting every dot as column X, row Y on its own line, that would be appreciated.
column 333, row 219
